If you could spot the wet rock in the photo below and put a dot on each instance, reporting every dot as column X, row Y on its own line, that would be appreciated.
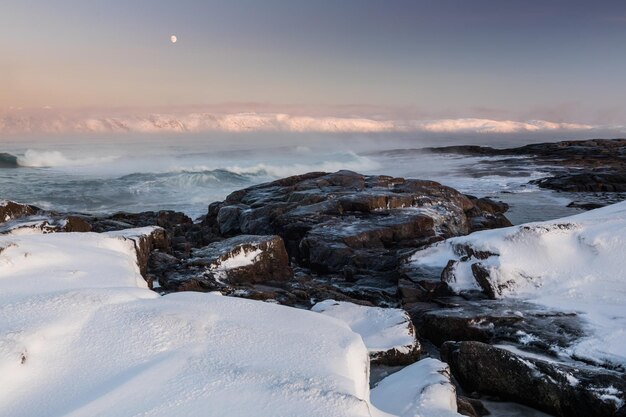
column 496, row 321
column 488, row 214
column 10, row 210
column 355, row 227
column 549, row 386
column 585, row 205
column 45, row 223
column 183, row 233
column 588, row 166
column 593, row 181
column 244, row 259
column 481, row 275
column 470, row 407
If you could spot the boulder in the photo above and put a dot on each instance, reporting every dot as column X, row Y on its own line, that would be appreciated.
column 244, row 259
column 496, row 321
column 10, row 210
column 358, row 229
column 556, row 388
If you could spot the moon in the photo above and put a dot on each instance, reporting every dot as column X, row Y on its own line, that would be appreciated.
column 173, row 38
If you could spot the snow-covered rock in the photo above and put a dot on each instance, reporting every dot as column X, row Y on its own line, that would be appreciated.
column 422, row 389
column 82, row 335
column 556, row 388
column 144, row 240
column 388, row 333
column 243, row 259
column 571, row 264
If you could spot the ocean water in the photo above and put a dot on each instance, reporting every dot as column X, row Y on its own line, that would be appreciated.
column 186, row 173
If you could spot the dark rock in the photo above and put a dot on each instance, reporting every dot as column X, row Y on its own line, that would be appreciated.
column 244, row 259
column 589, row 166
column 481, row 275
column 145, row 244
column 357, row 228
column 76, row 224
column 555, row 388
column 592, row 181
column 495, row 321
column 470, row 407
column 10, row 210
column 585, row 206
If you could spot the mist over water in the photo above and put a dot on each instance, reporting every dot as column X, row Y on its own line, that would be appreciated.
column 186, row 173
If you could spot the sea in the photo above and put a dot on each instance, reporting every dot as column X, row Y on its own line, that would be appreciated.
column 133, row 173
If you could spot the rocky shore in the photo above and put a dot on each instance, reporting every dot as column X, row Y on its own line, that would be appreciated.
column 595, row 165
column 344, row 244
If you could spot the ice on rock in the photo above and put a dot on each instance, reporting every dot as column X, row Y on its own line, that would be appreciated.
column 575, row 264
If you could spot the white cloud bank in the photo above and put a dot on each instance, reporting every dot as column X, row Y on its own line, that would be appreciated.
column 16, row 122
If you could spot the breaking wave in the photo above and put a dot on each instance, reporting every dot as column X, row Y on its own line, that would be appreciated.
column 144, row 182
column 48, row 159
column 352, row 162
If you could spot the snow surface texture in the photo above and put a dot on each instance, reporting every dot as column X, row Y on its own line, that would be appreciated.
column 419, row 390
column 81, row 335
column 382, row 329
column 576, row 263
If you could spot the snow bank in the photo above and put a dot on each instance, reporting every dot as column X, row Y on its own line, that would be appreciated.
column 419, row 390
column 383, row 330
column 575, row 264
column 81, row 335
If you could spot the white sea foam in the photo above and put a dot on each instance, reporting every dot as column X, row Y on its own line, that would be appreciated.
column 353, row 162
column 41, row 159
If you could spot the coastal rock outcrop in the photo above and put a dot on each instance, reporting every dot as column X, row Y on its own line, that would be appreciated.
column 10, row 210
column 352, row 228
column 243, row 259
column 589, row 166
column 560, row 389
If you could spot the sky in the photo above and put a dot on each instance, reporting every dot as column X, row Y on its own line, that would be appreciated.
column 556, row 60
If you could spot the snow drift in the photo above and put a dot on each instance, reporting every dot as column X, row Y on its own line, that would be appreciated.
column 388, row 333
column 575, row 264
column 81, row 335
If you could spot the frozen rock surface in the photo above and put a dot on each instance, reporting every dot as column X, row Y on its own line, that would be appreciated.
column 238, row 260
column 388, row 333
column 575, row 264
column 555, row 388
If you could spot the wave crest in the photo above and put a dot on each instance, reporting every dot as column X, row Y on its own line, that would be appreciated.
column 47, row 159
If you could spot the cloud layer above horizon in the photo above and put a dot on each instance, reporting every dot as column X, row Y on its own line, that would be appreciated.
column 561, row 60
column 16, row 123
